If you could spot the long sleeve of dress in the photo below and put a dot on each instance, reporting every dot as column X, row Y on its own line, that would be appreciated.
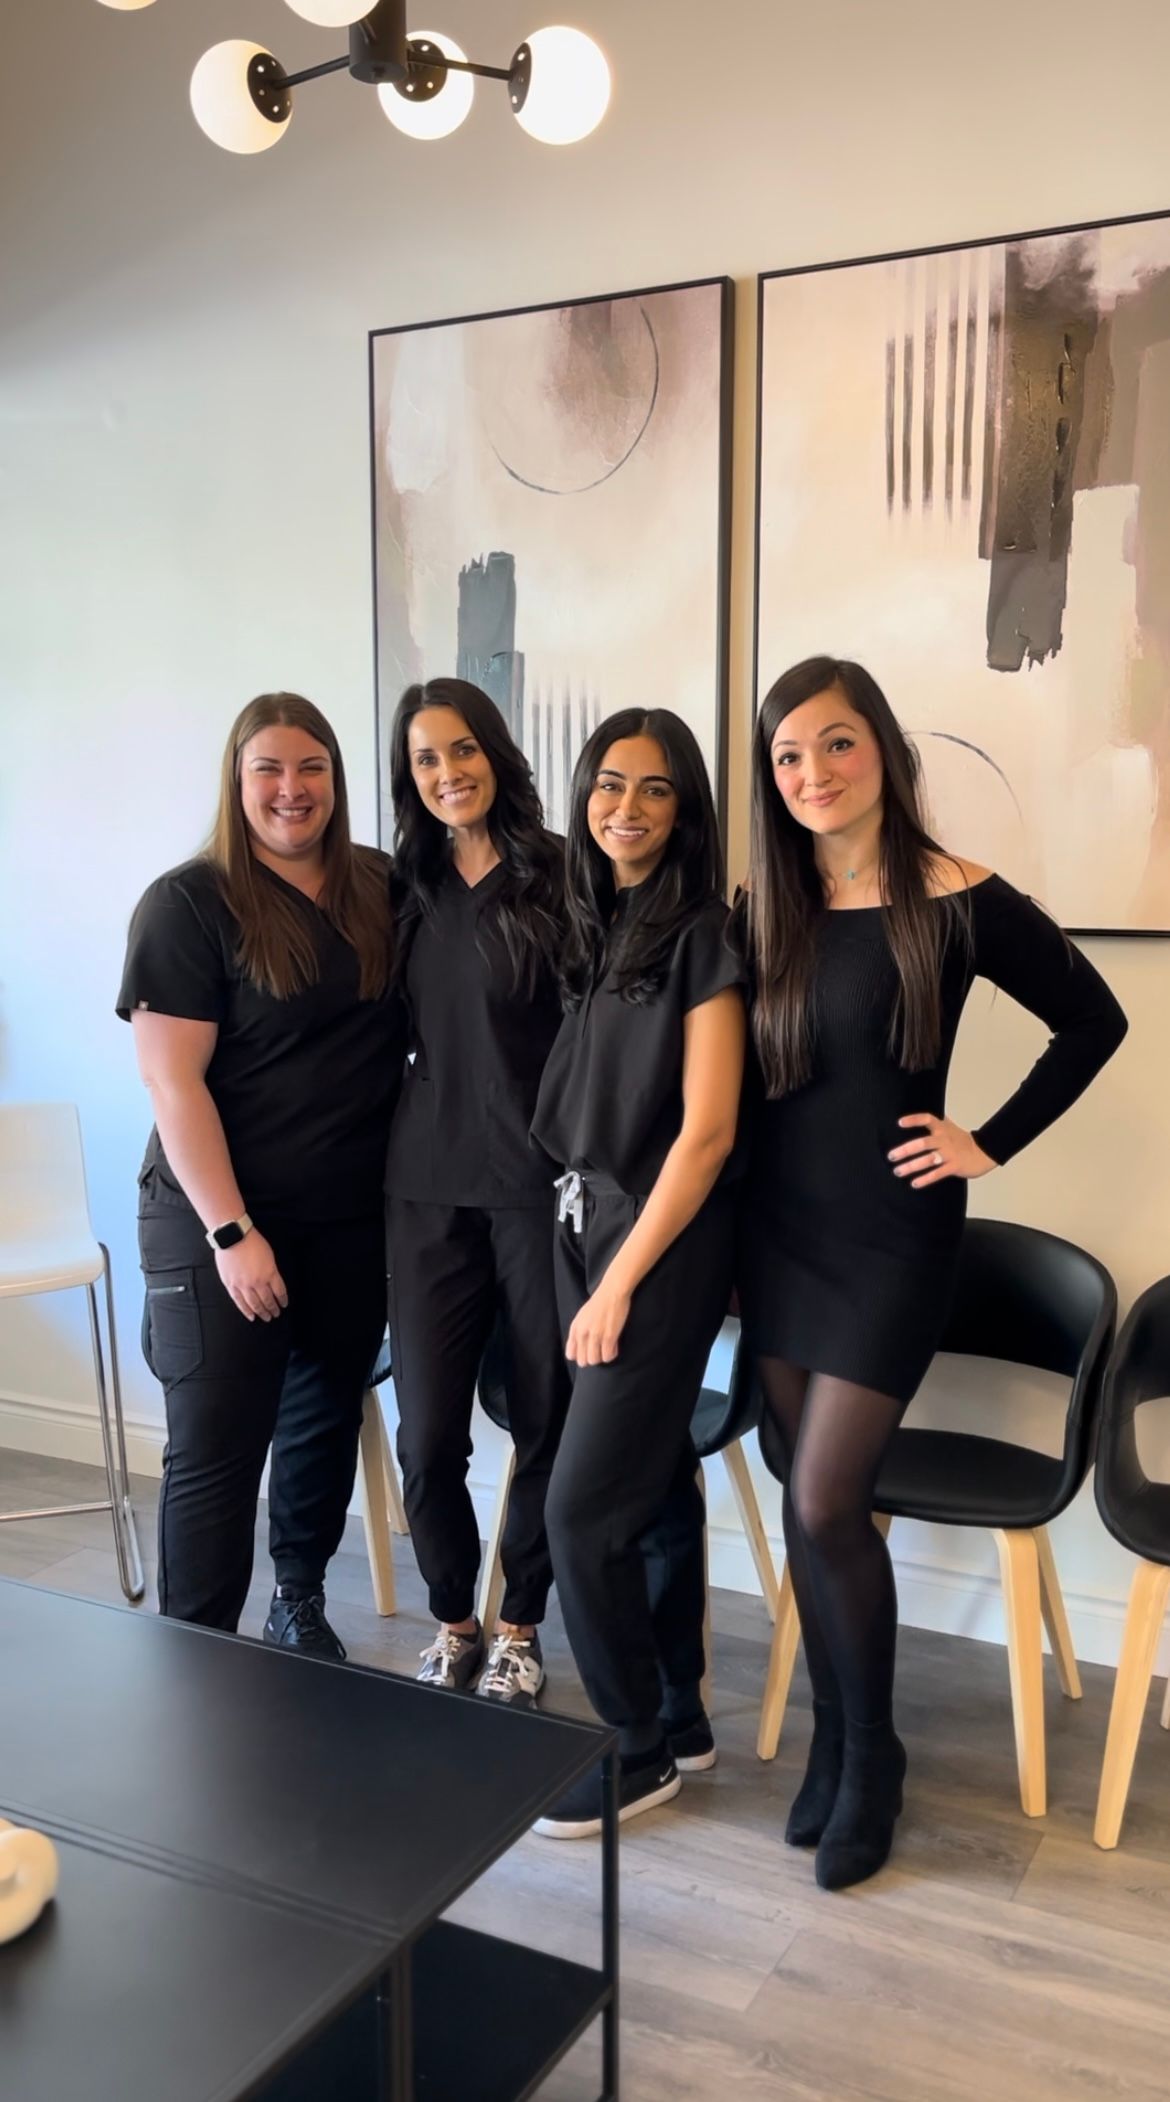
column 1025, row 953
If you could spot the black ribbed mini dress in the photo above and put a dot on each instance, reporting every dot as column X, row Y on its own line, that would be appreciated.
column 843, row 1267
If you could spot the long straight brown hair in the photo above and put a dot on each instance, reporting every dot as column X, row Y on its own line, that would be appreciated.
column 785, row 895
column 276, row 946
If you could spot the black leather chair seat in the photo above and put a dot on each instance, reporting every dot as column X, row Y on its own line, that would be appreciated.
column 953, row 1478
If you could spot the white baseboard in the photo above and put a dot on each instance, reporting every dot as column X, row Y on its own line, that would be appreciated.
column 65, row 1430
column 932, row 1594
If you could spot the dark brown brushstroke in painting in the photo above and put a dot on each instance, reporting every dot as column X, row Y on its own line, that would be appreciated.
column 952, row 387
column 907, row 416
column 969, row 388
column 929, row 354
column 891, row 357
column 1035, row 403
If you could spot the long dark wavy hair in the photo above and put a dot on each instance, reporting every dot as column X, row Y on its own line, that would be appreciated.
column 689, row 873
column 527, row 915
column 785, row 895
column 276, row 946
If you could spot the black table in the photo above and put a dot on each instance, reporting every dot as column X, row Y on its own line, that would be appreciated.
column 251, row 1801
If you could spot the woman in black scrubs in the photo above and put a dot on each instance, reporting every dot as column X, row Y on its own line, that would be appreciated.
column 257, row 982
column 865, row 938
column 639, row 1106
column 470, row 1202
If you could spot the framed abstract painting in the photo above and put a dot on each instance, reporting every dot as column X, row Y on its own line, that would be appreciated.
column 964, row 483
column 551, row 492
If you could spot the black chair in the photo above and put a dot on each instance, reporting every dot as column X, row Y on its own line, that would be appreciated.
column 1030, row 1299
column 722, row 1419
column 1136, row 1511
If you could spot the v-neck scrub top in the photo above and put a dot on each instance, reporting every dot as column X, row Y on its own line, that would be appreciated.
column 460, row 1134
column 611, row 1100
column 304, row 1086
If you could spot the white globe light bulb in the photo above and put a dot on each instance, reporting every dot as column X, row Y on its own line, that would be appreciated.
column 568, row 92
column 329, row 14
column 222, row 101
column 444, row 113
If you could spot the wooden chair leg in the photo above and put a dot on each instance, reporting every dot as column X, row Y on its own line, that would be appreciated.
column 1056, row 1619
column 1143, row 1625
column 1019, row 1564
column 491, row 1583
column 744, row 1491
column 781, row 1659
column 399, row 1523
column 374, row 1510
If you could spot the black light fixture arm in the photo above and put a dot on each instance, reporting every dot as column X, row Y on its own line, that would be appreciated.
column 382, row 53
column 331, row 65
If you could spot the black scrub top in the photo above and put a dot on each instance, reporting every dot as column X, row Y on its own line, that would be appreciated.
column 304, row 1087
column 611, row 1100
column 460, row 1133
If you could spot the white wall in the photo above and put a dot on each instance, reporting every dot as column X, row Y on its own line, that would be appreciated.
column 184, row 487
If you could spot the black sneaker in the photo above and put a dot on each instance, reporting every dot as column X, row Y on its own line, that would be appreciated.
column 299, row 1623
column 452, row 1661
column 578, row 1815
column 514, row 1672
column 692, row 1744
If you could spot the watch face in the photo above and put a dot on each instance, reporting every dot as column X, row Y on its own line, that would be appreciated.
column 227, row 1236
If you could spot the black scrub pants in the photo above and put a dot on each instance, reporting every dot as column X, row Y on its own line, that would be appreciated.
column 456, row 1272
column 625, row 1512
column 235, row 1387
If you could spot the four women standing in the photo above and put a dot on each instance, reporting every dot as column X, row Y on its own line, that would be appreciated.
column 259, row 981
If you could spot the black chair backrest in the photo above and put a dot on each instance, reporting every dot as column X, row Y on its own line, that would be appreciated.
column 721, row 1418
column 1032, row 1299
column 1139, row 1370
column 493, row 1377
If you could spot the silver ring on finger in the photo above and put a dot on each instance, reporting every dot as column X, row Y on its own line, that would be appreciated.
column 938, row 1160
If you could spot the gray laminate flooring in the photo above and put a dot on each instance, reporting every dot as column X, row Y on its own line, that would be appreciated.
column 997, row 1959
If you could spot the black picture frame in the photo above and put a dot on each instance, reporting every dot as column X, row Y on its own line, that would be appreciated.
column 986, row 241
column 721, row 494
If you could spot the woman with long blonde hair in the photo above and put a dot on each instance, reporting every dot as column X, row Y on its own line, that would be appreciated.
column 258, row 984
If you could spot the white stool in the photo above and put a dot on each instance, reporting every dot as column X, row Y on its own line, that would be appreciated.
column 47, row 1244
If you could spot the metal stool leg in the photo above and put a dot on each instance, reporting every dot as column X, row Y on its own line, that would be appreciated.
column 113, row 1430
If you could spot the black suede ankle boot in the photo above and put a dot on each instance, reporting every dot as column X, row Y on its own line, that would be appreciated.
column 857, row 1839
column 813, row 1803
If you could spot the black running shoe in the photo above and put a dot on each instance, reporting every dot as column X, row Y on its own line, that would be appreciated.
column 299, row 1623
column 578, row 1815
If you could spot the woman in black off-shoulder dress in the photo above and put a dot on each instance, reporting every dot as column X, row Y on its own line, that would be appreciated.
column 865, row 937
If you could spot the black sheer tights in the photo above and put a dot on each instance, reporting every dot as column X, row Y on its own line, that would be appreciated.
column 825, row 1438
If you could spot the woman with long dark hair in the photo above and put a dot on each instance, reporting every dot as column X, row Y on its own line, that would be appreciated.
column 258, row 984
column 638, row 1107
column 865, row 936
column 479, row 884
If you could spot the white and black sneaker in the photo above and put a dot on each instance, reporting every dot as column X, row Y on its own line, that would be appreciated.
column 692, row 1744
column 452, row 1661
column 514, row 1672
column 578, row 1815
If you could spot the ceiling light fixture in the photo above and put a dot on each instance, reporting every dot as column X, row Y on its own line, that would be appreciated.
column 242, row 97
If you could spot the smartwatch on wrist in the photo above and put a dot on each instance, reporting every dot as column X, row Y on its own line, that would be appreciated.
column 230, row 1235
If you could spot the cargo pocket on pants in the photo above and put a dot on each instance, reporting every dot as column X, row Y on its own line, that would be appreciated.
column 172, row 1327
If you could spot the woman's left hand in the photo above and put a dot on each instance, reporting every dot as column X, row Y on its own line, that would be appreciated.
column 945, row 1149
column 596, row 1328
